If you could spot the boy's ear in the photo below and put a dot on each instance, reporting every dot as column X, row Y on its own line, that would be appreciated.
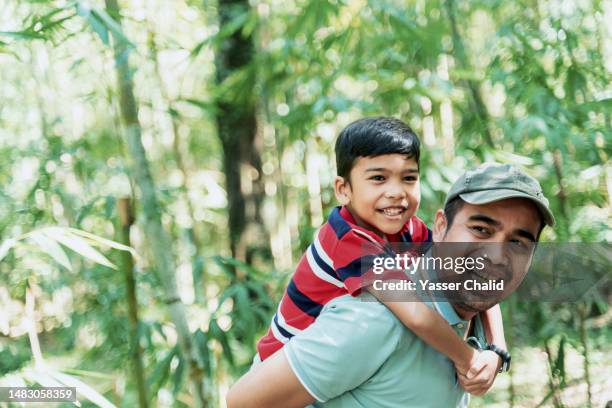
column 342, row 190
column 439, row 227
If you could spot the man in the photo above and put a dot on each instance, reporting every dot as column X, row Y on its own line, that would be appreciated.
column 357, row 354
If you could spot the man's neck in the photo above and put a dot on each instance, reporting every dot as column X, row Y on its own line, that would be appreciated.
column 463, row 313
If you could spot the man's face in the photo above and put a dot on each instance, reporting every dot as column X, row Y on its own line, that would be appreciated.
column 383, row 192
column 503, row 233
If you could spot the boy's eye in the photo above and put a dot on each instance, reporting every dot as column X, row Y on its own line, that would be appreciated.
column 378, row 177
column 410, row 178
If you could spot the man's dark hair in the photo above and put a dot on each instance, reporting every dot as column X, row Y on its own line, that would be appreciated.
column 371, row 137
column 456, row 204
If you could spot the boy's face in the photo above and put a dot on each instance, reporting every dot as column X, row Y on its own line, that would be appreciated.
column 383, row 192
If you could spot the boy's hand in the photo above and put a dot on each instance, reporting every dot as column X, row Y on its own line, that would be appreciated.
column 463, row 367
column 479, row 378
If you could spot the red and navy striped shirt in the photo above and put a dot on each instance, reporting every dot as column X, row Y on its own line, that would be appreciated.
column 332, row 266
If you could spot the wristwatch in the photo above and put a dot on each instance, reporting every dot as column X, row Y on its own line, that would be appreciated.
column 503, row 354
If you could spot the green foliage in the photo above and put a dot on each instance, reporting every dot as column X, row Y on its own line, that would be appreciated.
column 524, row 82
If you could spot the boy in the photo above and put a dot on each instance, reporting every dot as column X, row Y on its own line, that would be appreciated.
column 378, row 188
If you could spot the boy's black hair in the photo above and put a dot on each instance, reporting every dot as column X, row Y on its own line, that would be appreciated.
column 371, row 137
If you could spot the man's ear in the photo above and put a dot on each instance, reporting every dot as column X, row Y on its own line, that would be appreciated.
column 439, row 227
column 342, row 190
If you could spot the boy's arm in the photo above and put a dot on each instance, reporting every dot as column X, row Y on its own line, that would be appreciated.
column 487, row 366
column 434, row 330
column 494, row 326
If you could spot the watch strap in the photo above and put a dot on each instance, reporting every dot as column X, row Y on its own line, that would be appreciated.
column 503, row 354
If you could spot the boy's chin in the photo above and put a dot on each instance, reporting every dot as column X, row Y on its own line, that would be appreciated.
column 390, row 228
column 390, row 231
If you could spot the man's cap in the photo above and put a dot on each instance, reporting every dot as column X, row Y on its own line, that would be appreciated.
column 491, row 182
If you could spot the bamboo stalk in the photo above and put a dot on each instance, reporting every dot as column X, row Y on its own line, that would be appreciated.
column 126, row 219
column 552, row 383
column 158, row 238
column 31, row 325
column 583, row 311
column 510, row 342
column 476, row 101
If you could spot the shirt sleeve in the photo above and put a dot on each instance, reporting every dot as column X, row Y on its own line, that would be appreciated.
column 420, row 232
column 344, row 347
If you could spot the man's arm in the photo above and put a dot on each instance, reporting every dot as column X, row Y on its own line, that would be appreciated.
column 270, row 384
column 350, row 340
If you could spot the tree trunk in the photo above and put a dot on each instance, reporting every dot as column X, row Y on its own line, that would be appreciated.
column 126, row 219
column 240, row 141
column 158, row 238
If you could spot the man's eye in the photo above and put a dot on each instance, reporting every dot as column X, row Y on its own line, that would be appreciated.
column 480, row 230
column 519, row 244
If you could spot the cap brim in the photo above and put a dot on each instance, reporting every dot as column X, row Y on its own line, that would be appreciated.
column 490, row 196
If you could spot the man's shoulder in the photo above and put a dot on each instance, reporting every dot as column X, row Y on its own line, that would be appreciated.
column 364, row 311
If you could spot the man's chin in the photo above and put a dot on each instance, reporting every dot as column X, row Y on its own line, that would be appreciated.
column 474, row 306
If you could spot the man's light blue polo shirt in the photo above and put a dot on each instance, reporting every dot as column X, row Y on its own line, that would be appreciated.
column 358, row 354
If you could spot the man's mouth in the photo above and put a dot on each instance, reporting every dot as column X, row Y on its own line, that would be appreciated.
column 488, row 275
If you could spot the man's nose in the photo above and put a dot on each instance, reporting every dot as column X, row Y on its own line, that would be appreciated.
column 497, row 253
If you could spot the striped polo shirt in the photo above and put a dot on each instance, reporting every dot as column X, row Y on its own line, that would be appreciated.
column 332, row 266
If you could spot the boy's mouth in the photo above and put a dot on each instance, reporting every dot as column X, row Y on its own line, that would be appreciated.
column 392, row 211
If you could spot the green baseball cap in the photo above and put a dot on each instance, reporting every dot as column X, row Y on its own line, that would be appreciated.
column 491, row 182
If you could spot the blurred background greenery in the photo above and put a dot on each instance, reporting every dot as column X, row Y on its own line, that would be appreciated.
column 201, row 133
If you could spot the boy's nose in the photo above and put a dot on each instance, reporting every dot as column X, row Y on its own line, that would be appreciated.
column 395, row 191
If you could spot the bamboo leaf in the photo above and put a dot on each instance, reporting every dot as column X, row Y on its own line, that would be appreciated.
column 178, row 378
column 84, row 11
column 41, row 377
column 102, row 24
column 112, row 26
column 51, row 248
column 83, row 389
column 221, row 337
column 201, row 341
column 78, row 245
column 245, row 311
column 102, row 241
column 161, row 371
column 560, row 362
column 6, row 246
column 22, row 35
